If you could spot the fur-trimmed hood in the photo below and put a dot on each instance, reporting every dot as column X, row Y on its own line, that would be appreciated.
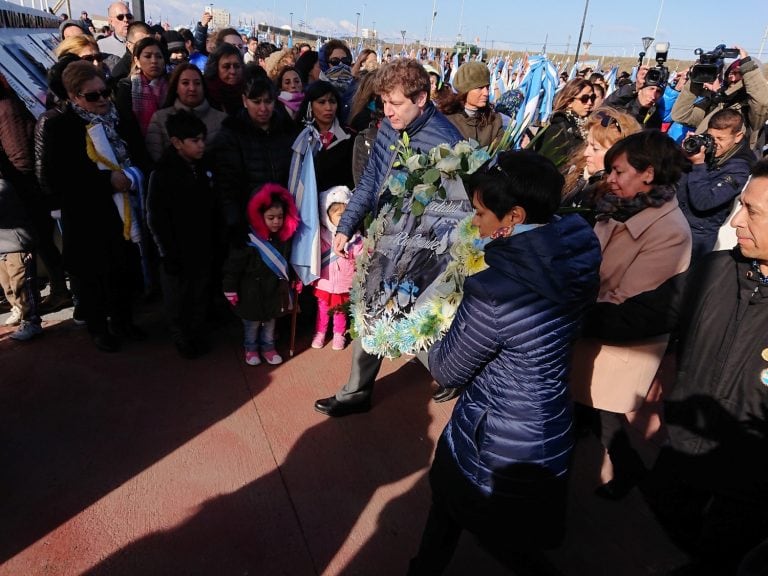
column 335, row 195
column 260, row 201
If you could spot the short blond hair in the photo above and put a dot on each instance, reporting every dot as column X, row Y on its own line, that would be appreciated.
column 75, row 44
column 609, row 125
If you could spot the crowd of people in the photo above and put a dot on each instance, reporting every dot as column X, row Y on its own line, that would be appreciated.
column 176, row 160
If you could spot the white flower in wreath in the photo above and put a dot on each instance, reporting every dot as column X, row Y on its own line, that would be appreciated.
column 396, row 184
column 416, row 162
column 439, row 152
column 449, row 165
column 464, row 148
column 477, row 159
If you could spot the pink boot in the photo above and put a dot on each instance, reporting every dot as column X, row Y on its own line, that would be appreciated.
column 339, row 341
column 319, row 340
column 339, row 331
column 321, row 324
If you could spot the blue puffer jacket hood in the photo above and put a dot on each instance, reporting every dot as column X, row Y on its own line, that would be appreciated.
column 509, row 347
column 555, row 261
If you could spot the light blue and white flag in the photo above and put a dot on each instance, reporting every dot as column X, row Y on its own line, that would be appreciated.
column 454, row 67
column 305, row 251
column 538, row 86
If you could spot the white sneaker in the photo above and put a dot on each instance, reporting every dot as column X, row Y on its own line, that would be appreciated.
column 272, row 357
column 14, row 319
column 252, row 358
column 27, row 331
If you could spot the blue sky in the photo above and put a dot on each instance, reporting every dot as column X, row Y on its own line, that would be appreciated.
column 613, row 27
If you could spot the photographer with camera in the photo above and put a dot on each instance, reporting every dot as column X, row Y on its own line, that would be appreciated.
column 720, row 164
column 641, row 100
column 742, row 87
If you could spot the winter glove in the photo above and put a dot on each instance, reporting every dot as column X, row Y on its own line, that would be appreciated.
column 231, row 298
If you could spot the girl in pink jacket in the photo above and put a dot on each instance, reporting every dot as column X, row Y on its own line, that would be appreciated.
column 333, row 286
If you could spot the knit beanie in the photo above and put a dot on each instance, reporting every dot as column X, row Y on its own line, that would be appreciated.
column 174, row 40
column 471, row 75
column 67, row 23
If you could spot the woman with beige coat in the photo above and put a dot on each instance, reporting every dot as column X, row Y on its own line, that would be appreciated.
column 645, row 240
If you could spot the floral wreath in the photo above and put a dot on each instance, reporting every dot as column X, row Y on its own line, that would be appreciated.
column 423, row 178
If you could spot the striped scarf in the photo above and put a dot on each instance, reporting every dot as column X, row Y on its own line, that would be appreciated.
column 147, row 97
column 109, row 122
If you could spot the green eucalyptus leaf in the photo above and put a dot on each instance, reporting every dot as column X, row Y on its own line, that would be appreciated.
column 431, row 176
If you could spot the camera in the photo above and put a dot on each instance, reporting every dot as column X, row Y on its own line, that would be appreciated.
column 659, row 74
column 709, row 66
column 694, row 142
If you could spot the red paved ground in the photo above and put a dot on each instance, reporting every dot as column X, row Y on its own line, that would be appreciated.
column 144, row 463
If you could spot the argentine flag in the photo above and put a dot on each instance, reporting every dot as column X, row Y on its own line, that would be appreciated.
column 305, row 251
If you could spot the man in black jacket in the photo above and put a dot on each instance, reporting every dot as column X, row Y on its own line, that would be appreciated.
column 709, row 486
column 717, row 176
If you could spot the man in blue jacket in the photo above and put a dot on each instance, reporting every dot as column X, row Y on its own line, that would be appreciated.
column 706, row 193
column 404, row 89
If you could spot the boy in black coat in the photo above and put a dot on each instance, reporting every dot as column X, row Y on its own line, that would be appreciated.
column 180, row 212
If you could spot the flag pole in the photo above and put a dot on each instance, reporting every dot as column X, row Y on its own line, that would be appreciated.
column 581, row 32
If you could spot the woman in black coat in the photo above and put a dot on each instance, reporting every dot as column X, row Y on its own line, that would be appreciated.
column 252, row 148
column 98, row 232
column 567, row 126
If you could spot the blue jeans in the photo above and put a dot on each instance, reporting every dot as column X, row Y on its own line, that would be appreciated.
column 259, row 335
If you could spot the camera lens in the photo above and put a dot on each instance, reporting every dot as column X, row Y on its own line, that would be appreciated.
column 692, row 144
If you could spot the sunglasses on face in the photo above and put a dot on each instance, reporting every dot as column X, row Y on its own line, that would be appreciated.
column 125, row 16
column 586, row 98
column 93, row 57
column 232, row 65
column 606, row 120
column 95, row 96
column 337, row 61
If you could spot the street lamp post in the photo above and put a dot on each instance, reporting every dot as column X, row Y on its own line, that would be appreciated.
column 432, row 25
column 357, row 28
column 646, row 40
column 581, row 31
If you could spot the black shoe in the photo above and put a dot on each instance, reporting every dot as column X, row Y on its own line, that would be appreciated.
column 55, row 301
column 614, row 490
column 188, row 350
column 128, row 332
column 332, row 407
column 445, row 394
column 78, row 317
column 106, row 342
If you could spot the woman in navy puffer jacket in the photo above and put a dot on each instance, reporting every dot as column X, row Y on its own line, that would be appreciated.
column 501, row 463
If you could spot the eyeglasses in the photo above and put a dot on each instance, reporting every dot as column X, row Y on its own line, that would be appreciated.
column 124, row 16
column 584, row 98
column 95, row 96
column 606, row 120
column 93, row 57
column 336, row 61
column 233, row 65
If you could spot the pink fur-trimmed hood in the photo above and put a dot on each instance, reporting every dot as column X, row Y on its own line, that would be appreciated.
column 265, row 197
